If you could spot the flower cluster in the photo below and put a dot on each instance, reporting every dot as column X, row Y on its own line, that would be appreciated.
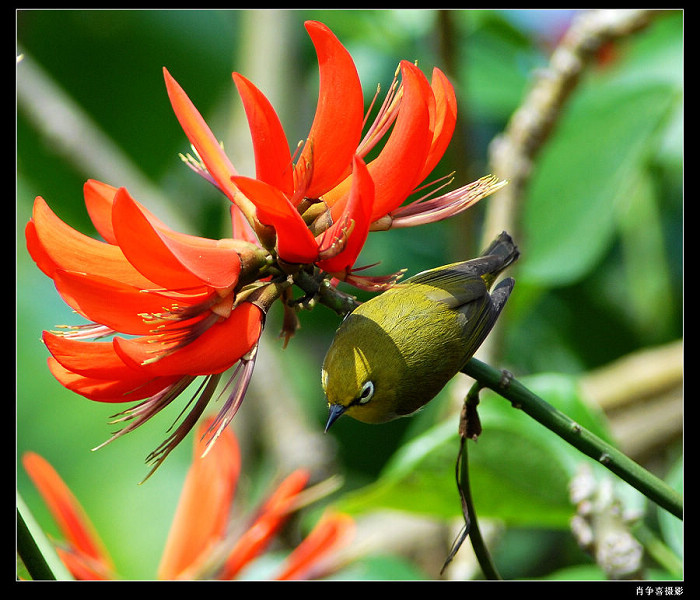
column 166, row 308
column 200, row 544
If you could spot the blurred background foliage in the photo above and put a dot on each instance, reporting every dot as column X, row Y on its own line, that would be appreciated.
column 594, row 326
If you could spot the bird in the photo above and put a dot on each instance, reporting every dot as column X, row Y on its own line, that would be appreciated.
column 393, row 353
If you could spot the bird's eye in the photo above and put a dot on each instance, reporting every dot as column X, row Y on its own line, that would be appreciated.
column 366, row 393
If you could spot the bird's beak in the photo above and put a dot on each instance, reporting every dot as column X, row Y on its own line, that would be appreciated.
column 334, row 411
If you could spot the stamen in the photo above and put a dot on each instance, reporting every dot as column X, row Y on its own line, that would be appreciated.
column 337, row 244
column 370, row 283
column 144, row 410
column 176, row 338
column 241, row 375
column 385, row 117
column 205, row 393
column 424, row 211
column 83, row 332
column 196, row 163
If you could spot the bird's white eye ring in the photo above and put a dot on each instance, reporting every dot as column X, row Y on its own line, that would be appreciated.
column 366, row 393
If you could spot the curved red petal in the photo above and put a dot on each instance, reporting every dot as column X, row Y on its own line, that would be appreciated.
column 200, row 136
column 109, row 390
column 121, row 307
column 91, row 359
column 98, row 200
column 443, row 120
column 295, row 243
column 211, row 483
column 331, row 533
column 396, row 170
column 337, row 125
column 55, row 245
column 215, row 350
column 70, row 516
column 356, row 219
column 273, row 160
column 173, row 260
column 271, row 517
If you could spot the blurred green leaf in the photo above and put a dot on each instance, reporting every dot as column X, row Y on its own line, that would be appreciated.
column 600, row 150
column 519, row 471
column 644, row 260
column 379, row 567
column 497, row 63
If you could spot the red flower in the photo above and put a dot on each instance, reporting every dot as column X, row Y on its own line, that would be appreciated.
column 182, row 306
column 322, row 207
column 199, row 544
column 175, row 293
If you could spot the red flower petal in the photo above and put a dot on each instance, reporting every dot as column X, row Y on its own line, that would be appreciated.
column 175, row 261
column 91, row 359
column 355, row 220
column 337, row 125
column 67, row 512
column 272, row 516
column 97, row 389
column 273, row 160
column 200, row 136
column 396, row 170
column 55, row 245
column 295, row 243
column 443, row 120
column 120, row 307
column 206, row 145
column 210, row 483
column 331, row 533
column 214, row 351
column 98, row 200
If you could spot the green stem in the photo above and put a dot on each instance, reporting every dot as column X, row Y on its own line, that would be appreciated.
column 582, row 439
column 470, row 428
column 480, row 550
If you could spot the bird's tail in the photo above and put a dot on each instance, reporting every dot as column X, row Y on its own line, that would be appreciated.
column 505, row 247
column 499, row 255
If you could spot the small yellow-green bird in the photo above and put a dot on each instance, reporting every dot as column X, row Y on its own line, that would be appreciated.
column 395, row 352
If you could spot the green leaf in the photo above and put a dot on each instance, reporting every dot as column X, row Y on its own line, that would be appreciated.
column 379, row 567
column 600, row 148
column 496, row 67
column 616, row 121
column 646, row 265
column 519, row 471
column 36, row 552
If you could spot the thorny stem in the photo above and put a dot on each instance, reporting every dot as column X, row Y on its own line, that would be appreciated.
column 580, row 438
